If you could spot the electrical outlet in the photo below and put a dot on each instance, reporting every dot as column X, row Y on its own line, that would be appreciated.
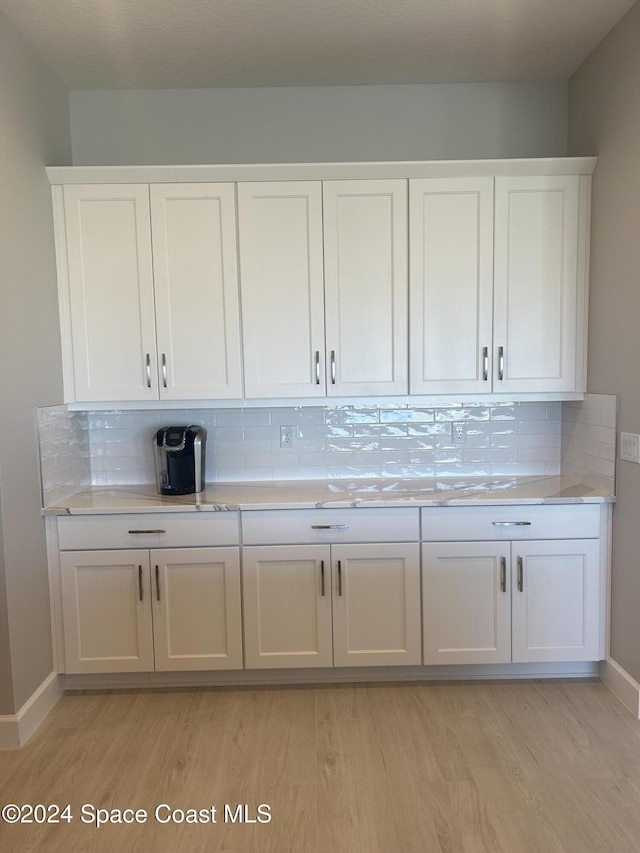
column 287, row 435
column 630, row 447
column 458, row 433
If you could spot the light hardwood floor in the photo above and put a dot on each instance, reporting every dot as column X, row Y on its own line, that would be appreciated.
column 520, row 767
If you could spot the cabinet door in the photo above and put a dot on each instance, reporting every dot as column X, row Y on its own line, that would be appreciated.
column 196, row 290
column 287, row 606
column 376, row 605
column 280, row 231
column 106, row 602
column 556, row 600
column 466, row 602
column 451, row 291
column 365, row 256
column 111, row 301
column 197, row 620
column 535, row 290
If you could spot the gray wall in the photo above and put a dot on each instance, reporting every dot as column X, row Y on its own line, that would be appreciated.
column 604, row 119
column 34, row 131
column 449, row 121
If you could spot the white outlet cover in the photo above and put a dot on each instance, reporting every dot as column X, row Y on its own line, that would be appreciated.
column 630, row 447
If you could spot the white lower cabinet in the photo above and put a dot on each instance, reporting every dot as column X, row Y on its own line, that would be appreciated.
column 500, row 602
column 140, row 610
column 324, row 605
column 491, row 584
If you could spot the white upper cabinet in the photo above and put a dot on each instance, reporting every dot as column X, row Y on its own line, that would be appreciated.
column 115, row 277
column 498, row 308
column 451, row 285
column 324, row 287
column 281, row 270
column 360, row 280
column 365, row 256
column 196, row 291
column 110, row 296
column 536, row 283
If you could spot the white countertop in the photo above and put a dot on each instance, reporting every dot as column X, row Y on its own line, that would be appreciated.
column 310, row 494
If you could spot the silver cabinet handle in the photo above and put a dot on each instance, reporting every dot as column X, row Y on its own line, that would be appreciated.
column 322, row 577
column 158, row 583
column 485, row 364
column 329, row 526
column 147, row 531
column 501, row 363
column 339, row 578
column 511, row 523
column 503, row 574
column 148, row 368
column 333, row 367
column 317, row 367
column 140, row 589
column 520, row 575
column 164, row 370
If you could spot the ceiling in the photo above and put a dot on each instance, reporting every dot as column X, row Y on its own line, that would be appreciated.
column 142, row 44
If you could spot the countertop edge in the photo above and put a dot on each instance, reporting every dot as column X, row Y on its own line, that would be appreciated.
column 131, row 505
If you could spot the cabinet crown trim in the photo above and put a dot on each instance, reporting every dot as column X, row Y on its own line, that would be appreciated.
column 319, row 171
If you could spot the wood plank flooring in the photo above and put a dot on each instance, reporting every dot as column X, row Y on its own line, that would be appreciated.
column 518, row 767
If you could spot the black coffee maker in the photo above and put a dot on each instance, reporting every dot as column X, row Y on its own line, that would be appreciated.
column 179, row 459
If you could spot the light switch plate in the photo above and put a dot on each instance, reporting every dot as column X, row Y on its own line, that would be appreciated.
column 630, row 447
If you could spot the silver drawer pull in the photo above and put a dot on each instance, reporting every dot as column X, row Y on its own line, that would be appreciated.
column 147, row 531
column 511, row 523
column 329, row 526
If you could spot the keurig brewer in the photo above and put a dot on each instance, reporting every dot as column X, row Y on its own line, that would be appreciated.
column 179, row 459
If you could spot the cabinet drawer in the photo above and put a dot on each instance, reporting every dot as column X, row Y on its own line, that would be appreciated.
column 301, row 526
column 148, row 530
column 566, row 521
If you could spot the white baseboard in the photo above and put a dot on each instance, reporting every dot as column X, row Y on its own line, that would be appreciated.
column 621, row 684
column 16, row 729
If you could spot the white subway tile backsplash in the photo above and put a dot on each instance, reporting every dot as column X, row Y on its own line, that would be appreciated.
column 589, row 429
column 408, row 416
column 343, row 441
column 353, row 416
column 64, row 452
